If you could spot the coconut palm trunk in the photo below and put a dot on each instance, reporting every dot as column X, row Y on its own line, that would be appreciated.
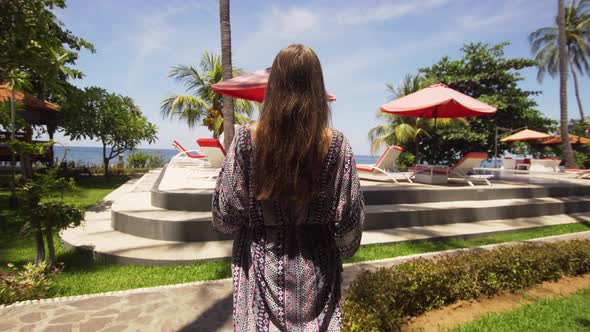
column 228, row 102
column 567, row 147
column 576, row 88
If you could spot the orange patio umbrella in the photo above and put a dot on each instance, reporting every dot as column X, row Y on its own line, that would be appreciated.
column 557, row 139
column 250, row 86
column 525, row 135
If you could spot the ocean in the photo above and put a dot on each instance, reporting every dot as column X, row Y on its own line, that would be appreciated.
column 92, row 156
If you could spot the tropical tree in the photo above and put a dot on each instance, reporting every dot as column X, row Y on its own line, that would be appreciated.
column 203, row 104
column 544, row 44
column 228, row 102
column 113, row 120
column 562, row 55
column 485, row 73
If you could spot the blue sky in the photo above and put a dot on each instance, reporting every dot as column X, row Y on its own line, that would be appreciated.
column 362, row 46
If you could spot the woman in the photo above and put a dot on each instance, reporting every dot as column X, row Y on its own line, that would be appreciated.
column 290, row 191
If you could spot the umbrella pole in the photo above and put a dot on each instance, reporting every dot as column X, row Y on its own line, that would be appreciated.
column 435, row 134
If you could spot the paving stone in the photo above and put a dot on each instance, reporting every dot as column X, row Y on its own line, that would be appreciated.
column 32, row 317
column 69, row 318
column 6, row 325
column 95, row 302
column 58, row 328
column 144, row 320
column 116, row 328
column 141, row 298
column 106, row 312
column 95, row 324
column 27, row 328
column 128, row 315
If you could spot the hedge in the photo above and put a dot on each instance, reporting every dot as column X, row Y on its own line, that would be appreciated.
column 377, row 301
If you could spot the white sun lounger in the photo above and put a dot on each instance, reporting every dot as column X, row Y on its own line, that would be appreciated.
column 464, row 167
column 378, row 171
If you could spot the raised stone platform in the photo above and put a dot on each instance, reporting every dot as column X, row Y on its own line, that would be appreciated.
column 165, row 218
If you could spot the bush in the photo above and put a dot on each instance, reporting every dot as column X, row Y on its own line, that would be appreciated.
column 31, row 283
column 379, row 300
column 156, row 160
column 137, row 159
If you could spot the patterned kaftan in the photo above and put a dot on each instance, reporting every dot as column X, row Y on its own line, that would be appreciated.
column 287, row 258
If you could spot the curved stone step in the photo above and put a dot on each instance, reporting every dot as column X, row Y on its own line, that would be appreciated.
column 441, row 213
column 97, row 237
column 178, row 189
column 133, row 214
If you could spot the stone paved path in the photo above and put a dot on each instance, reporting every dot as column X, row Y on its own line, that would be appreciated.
column 200, row 306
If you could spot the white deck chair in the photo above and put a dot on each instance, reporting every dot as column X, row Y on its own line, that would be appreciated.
column 377, row 171
column 186, row 157
column 465, row 166
column 214, row 157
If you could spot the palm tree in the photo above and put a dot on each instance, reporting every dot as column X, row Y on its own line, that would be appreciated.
column 203, row 104
column 544, row 44
column 228, row 102
column 405, row 131
column 562, row 46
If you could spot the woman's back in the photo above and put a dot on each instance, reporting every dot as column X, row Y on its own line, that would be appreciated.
column 292, row 235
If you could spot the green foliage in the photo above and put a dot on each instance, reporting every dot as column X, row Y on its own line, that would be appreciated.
column 30, row 283
column 112, row 119
column 382, row 298
column 406, row 159
column 544, row 41
column 34, row 41
column 59, row 215
column 203, row 104
column 156, row 160
column 138, row 159
column 21, row 147
column 484, row 73
column 582, row 158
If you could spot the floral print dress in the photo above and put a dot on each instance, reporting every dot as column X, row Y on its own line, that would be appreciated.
column 287, row 258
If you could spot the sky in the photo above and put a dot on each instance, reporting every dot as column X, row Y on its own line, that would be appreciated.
column 362, row 46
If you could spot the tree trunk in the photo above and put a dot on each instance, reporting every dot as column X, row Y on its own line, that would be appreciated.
column 567, row 147
column 228, row 102
column 576, row 89
column 50, row 245
column 26, row 165
column 105, row 160
column 39, row 244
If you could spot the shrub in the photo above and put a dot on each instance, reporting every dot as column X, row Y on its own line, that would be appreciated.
column 137, row 159
column 32, row 282
column 379, row 300
column 156, row 160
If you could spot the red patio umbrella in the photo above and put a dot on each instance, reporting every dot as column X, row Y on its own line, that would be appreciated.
column 437, row 101
column 250, row 86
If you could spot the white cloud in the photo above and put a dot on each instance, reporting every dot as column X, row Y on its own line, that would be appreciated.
column 385, row 11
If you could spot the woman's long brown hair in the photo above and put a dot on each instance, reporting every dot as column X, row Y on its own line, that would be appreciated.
column 291, row 136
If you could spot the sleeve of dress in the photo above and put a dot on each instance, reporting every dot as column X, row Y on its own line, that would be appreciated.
column 350, row 214
column 230, row 196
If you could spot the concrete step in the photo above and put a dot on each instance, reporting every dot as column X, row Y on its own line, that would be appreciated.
column 440, row 213
column 183, row 199
column 134, row 215
column 99, row 238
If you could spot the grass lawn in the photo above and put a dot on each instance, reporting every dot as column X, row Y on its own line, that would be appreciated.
column 83, row 275
column 571, row 313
